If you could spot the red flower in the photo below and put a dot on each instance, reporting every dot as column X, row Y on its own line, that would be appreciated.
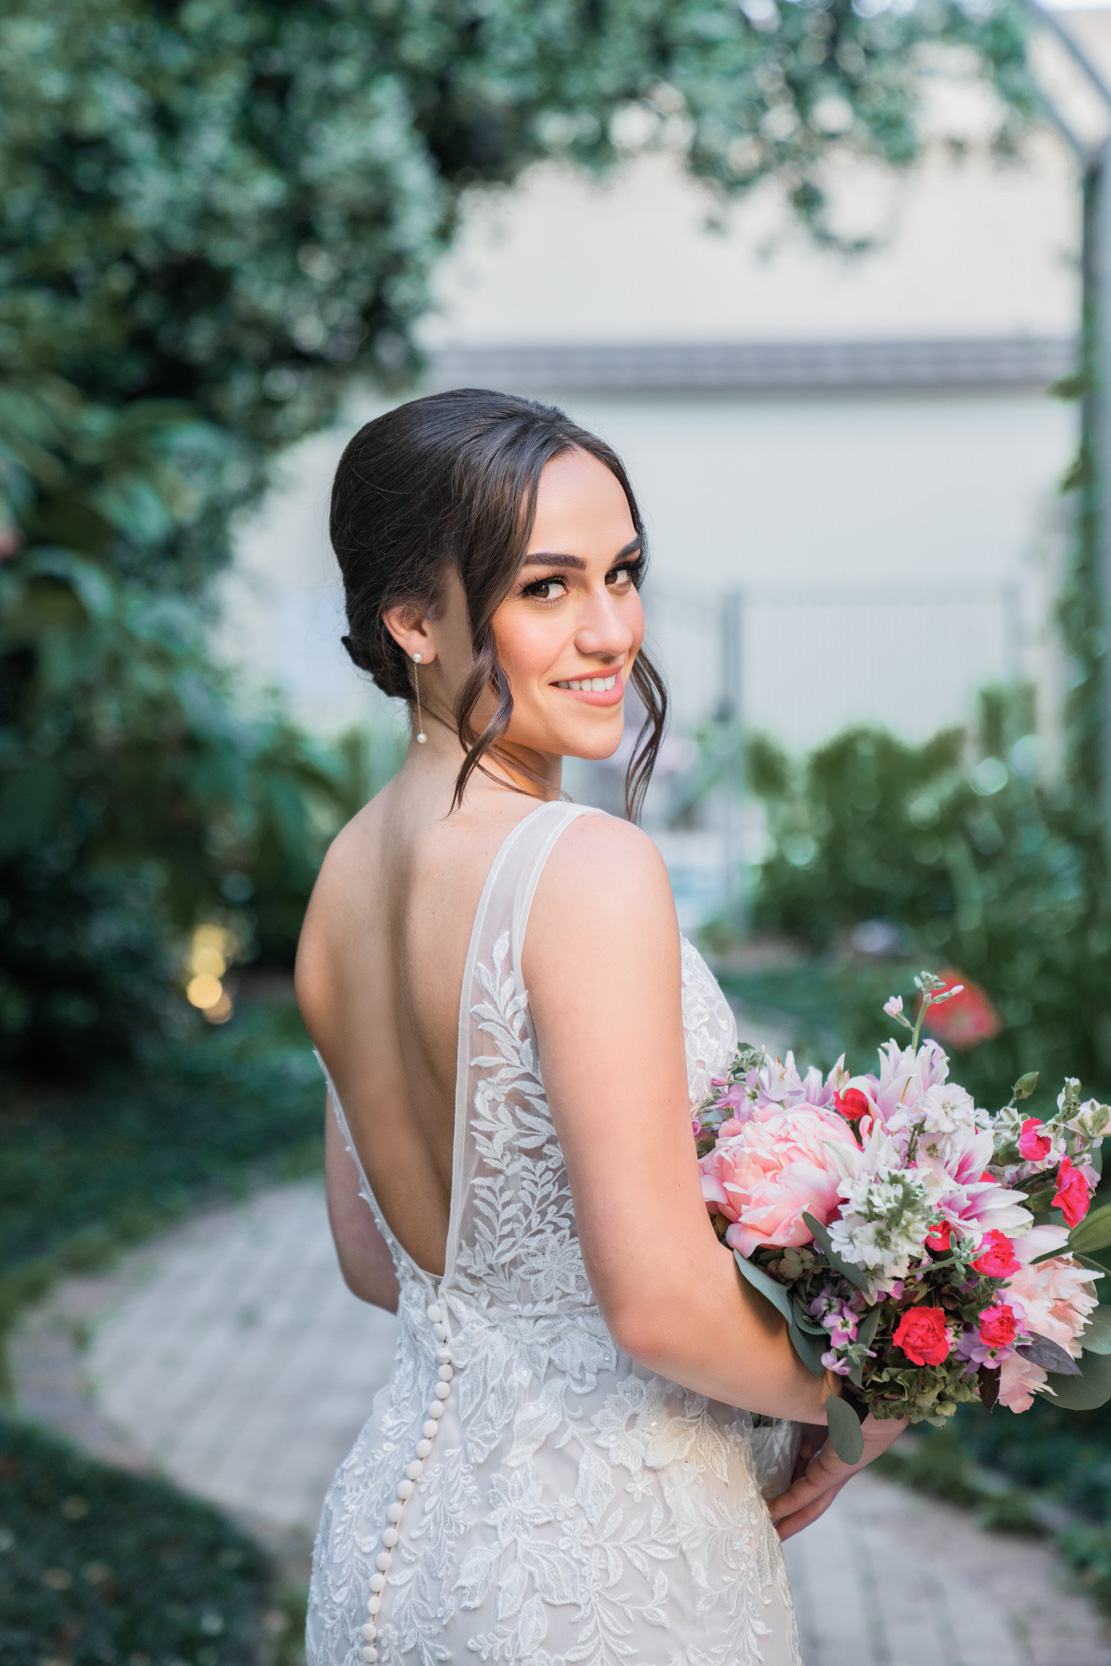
column 941, row 1237
column 852, row 1104
column 997, row 1258
column 1033, row 1144
column 966, row 1019
column 1072, row 1196
column 922, row 1336
column 998, row 1327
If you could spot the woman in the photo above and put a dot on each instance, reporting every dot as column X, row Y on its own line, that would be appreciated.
column 514, row 1032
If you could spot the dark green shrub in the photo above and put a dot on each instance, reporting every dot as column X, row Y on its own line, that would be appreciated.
column 98, row 1566
column 961, row 846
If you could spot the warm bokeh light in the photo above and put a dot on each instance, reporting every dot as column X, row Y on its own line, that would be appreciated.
column 203, row 991
column 211, row 948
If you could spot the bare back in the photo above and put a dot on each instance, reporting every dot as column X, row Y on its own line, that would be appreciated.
column 379, row 974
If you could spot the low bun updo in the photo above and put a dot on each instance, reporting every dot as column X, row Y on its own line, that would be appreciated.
column 451, row 481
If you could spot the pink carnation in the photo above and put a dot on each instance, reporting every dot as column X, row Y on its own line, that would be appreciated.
column 1033, row 1141
column 766, row 1176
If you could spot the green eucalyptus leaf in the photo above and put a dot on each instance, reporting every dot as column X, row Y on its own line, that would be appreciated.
column 1095, row 1338
column 866, row 1330
column 802, row 1317
column 767, row 1286
column 1087, row 1391
column 855, row 1275
column 808, row 1348
column 845, row 1434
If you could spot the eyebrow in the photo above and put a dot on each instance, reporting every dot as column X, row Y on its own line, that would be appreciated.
column 575, row 562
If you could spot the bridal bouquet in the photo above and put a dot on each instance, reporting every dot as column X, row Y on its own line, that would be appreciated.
column 924, row 1249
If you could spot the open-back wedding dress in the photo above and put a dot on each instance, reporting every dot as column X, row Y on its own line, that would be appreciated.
column 545, row 1500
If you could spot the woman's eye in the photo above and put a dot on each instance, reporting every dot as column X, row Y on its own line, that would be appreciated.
column 621, row 578
column 547, row 589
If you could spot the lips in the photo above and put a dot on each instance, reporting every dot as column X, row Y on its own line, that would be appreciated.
column 595, row 691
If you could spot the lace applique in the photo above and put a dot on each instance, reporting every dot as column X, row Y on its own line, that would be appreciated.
column 577, row 1510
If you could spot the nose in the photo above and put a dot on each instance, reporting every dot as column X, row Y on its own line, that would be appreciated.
column 607, row 629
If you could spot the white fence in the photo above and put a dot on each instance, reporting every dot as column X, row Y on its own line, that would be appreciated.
column 802, row 664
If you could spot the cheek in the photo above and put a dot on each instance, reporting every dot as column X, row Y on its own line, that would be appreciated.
column 527, row 649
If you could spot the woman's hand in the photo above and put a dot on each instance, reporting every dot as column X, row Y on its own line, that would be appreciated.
column 819, row 1474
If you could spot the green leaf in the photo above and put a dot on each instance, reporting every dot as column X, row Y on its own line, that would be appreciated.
column 1084, row 1393
column 1094, row 1231
column 808, row 1348
column 821, row 1237
column 845, row 1434
column 767, row 1286
column 869, row 1325
column 1025, row 1086
column 1095, row 1338
column 801, row 1316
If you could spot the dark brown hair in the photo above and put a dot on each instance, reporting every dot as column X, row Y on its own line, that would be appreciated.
column 451, row 481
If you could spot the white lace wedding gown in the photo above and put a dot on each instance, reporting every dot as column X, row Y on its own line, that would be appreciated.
column 570, row 1507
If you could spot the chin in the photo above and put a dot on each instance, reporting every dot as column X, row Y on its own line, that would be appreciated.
column 596, row 746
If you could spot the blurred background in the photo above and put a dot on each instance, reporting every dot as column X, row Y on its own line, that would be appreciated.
column 831, row 278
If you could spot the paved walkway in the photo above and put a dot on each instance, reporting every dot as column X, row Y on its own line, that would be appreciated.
column 230, row 1356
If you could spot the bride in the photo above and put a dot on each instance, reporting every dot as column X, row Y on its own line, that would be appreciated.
column 562, row 1467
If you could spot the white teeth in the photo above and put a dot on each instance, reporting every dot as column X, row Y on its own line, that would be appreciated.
column 589, row 685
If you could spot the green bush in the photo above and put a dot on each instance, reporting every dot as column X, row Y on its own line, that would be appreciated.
column 961, row 845
column 97, row 1566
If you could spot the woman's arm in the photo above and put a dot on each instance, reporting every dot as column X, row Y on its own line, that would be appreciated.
column 364, row 1256
column 602, row 965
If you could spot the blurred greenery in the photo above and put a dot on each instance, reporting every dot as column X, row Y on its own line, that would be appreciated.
column 85, row 1171
column 215, row 215
column 970, row 858
column 97, row 1565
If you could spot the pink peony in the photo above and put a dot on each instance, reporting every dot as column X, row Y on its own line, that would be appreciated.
column 1053, row 1299
column 1033, row 1142
column 764, row 1178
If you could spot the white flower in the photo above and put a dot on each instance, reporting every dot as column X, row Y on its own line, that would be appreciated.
column 1091, row 1120
column 888, row 1209
column 943, row 1111
column 893, row 1006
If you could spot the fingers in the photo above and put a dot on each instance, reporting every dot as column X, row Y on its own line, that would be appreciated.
column 788, row 1526
column 799, row 1496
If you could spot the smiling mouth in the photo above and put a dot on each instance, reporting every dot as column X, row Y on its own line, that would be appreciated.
column 589, row 685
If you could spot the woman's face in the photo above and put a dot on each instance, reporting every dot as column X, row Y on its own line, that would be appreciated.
column 569, row 630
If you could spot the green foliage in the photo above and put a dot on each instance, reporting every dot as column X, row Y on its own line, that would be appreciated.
column 237, row 204
column 84, row 1172
column 97, row 1565
column 215, row 214
column 977, row 860
column 134, row 796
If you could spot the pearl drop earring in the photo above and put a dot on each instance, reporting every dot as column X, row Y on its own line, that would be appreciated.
column 421, row 736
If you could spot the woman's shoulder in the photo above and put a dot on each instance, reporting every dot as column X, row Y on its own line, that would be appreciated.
column 604, row 878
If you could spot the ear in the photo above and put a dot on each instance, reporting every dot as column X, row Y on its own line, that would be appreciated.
column 409, row 627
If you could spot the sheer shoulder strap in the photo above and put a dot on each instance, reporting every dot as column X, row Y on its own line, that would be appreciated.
column 500, row 1112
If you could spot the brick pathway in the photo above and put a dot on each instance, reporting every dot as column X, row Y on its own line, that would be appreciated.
column 230, row 1356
